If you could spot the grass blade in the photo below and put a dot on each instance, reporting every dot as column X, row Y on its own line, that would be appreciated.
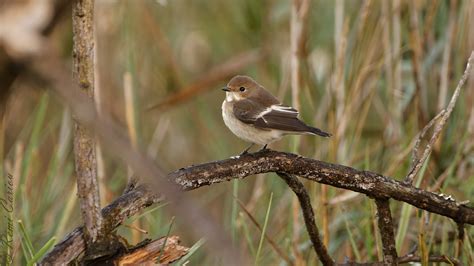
column 406, row 211
column 262, row 236
column 49, row 244
column 191, row 251
column 355, row 249
column 26, row 243
column 166, row 239
column 247, row 235
column 233, row 218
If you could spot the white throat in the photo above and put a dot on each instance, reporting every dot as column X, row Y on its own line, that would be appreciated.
column 232, row 96
column 229, row 97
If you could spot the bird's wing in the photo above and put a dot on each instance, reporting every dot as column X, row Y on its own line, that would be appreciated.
column 276, row 116
column 280, row 110
column 282, row 118
column 247, row 111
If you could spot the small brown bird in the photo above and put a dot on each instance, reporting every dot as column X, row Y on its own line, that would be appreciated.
column 255, row 115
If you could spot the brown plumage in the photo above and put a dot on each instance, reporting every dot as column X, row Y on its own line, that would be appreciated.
column 255, row 115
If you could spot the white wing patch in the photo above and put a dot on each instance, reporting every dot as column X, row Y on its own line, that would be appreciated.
column 266, row 111
column 284, row 109
column 278, row 109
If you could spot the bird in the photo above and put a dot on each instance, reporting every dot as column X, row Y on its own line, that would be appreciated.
column 253, row 114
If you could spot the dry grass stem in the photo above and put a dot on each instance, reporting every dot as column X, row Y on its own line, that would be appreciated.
column 443, row 86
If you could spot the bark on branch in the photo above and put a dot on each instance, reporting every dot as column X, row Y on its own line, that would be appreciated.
column 113, row 215
column 308, row 214
column 84, row 143
column 385, row 223
column 369, row 183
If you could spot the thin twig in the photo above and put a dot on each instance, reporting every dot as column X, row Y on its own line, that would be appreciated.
column 308, row 215
column 415, row 158
column 385, row 224
column 422, row 134
column 84, row 143
column 439, row 127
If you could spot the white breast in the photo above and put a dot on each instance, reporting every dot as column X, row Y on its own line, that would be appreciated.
column 245, row 131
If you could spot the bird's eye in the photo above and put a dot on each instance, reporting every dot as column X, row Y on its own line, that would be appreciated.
column 242, row 88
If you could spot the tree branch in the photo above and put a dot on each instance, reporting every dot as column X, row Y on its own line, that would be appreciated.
column 84, row 143
column 113, row 215
column 385, row 224
column 308, row 214
column 166, row 249
column 369, row 183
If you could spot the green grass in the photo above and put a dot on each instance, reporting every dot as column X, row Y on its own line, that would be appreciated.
column 262, row 235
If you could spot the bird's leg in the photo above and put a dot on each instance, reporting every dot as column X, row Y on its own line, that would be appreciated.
column 247, row 150
column 264, row 148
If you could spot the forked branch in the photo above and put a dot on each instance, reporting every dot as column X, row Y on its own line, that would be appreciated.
column 443, row 116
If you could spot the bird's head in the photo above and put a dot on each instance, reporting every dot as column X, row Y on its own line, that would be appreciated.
column 241, row 87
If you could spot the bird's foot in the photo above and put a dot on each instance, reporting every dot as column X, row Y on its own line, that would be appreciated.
column 246, row 151
column 240, row 155
column 264, row 148
column 243, row 153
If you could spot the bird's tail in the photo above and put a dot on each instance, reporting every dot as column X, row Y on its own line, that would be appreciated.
column 317, row 131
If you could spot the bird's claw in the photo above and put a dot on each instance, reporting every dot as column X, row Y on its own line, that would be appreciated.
column 244, row 153
column 264, row 148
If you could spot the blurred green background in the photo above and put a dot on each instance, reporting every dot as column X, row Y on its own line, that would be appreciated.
column 373, row 74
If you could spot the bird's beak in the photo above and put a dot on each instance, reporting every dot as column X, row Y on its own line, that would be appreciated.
column 225, row 89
